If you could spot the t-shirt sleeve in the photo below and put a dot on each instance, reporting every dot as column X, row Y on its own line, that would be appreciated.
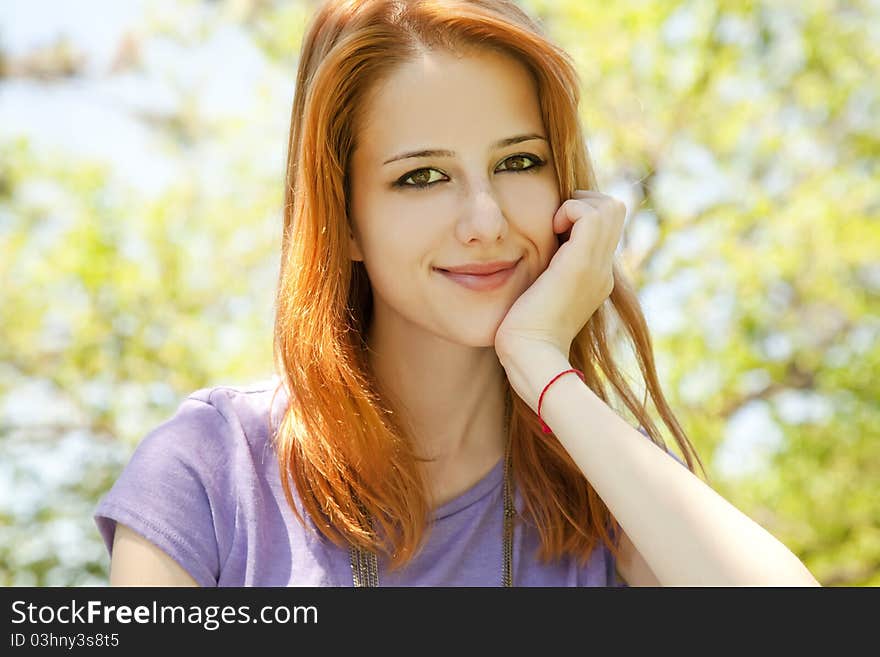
column 167, row 492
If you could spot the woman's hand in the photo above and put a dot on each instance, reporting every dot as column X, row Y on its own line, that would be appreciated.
column 579, row 278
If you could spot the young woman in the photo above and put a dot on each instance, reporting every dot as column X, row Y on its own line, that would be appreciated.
column 440, row 413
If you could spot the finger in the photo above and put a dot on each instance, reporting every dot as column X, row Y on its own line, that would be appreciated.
column 598, row 200
column 614, row 209
column 606, row 228
column 569, row 213
column 588, row 196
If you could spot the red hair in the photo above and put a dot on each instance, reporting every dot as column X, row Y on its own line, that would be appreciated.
column 339, row 440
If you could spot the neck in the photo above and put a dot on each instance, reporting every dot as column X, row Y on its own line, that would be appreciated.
column 450, row 398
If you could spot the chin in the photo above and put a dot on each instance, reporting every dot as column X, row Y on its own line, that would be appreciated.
column 479, row 336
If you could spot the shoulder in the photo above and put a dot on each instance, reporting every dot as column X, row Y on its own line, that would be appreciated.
column 240, row 400
column 212, row 426
column 217, row 440
column 245, row 405
column 179, row 490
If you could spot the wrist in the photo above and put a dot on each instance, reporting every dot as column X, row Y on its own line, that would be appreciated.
column 530, row 368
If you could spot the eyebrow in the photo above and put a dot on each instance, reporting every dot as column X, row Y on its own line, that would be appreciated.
column 444, row 153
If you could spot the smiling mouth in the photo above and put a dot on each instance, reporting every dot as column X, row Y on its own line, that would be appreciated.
column 481, row 282
column 477, row 273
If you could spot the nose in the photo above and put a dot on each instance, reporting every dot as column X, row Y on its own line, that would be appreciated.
column 482, row 218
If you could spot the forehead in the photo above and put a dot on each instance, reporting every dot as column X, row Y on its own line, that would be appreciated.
column 449, row 101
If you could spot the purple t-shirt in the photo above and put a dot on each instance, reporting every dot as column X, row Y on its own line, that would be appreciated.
column 204, row 486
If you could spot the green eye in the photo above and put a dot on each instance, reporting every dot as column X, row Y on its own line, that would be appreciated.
column 426, row 182
column 520, row 158
column 420, row 178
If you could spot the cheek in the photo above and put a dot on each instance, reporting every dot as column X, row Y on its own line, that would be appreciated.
column 535, row 206
column 548, row 249
column 395, row 252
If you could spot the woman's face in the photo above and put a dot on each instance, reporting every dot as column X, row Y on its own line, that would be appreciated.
column 478, row 201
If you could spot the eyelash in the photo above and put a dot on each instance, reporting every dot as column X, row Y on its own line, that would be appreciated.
column 420, row 186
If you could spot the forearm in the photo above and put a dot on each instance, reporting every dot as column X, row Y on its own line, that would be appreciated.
column 687, row 533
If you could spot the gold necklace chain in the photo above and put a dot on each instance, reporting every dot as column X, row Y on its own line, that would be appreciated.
column 364, row 565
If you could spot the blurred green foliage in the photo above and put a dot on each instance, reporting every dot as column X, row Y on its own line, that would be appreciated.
column 744, row 137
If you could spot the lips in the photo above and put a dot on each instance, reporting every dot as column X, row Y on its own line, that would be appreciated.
column 480, row 269
column 482, row 282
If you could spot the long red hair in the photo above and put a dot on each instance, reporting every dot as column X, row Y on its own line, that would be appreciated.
column 339, row 441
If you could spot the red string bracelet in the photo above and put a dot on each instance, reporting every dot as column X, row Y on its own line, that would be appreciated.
column 544, row 427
